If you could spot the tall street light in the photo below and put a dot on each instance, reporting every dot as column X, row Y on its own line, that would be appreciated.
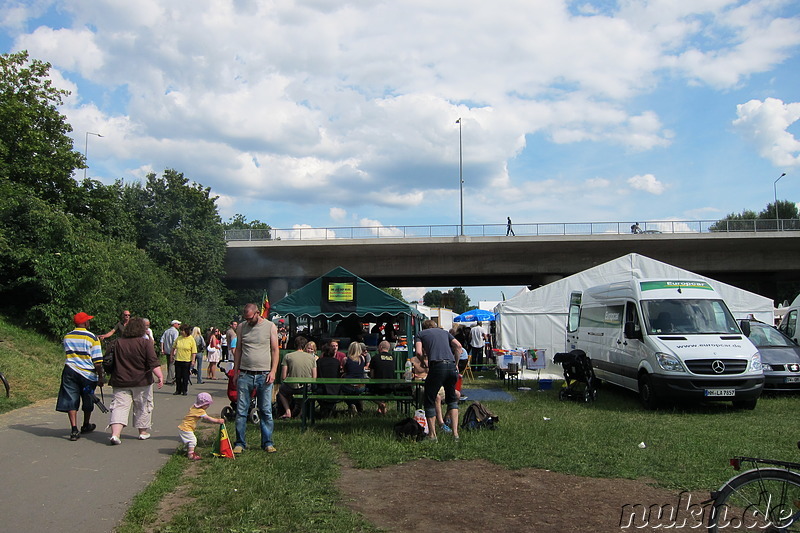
column 775, row 191
column 460, row 176
column 86, row 150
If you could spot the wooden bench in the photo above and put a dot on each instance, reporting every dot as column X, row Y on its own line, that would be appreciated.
column 308, row 397
column 404, row 401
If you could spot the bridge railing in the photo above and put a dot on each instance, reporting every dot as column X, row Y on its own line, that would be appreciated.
column 499, row 230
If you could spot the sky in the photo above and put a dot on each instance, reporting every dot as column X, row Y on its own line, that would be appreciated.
column 321, row 114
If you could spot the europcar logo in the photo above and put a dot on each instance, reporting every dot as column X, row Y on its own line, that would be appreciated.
column 659, row 285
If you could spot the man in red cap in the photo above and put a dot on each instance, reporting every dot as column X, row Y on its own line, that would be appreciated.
column 83, row 371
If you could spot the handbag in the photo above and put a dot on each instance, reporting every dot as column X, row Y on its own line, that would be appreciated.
column 108, row 359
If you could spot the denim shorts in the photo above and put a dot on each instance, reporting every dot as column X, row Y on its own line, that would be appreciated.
column 74, row 388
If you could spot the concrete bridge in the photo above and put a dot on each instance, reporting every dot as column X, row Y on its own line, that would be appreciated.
column 765, row 261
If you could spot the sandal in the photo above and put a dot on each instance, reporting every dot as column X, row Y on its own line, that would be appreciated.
column 194, row 456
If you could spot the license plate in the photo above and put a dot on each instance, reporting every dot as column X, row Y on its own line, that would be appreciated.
column 793, row 379
column 720, row 392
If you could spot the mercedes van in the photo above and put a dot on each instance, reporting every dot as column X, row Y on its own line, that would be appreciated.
column 668, row 340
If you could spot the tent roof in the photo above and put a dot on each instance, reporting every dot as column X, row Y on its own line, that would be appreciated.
column 554, row 297
column 371, row 302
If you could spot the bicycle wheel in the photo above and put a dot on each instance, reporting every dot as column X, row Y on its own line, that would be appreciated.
column 5, row 384
column 766, row 499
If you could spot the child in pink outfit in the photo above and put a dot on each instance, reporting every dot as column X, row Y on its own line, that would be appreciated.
column 196, row 413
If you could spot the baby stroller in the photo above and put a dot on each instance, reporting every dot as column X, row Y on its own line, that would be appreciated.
column 229, row 411
column 579, row 376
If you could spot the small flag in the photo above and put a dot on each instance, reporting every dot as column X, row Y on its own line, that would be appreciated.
column 265, row 306
column 222, row 448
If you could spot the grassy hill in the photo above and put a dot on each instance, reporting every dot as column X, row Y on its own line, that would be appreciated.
column 32, row 365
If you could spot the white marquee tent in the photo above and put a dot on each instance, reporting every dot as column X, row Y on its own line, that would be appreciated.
column 538, row 318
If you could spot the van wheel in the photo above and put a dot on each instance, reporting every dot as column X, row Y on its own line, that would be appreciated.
column 646, row 393
column 745, row 404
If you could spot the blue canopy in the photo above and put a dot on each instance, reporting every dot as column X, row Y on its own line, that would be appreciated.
column 475, row 315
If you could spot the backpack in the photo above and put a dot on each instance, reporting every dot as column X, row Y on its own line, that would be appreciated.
column 478, row 417
column 408, row 428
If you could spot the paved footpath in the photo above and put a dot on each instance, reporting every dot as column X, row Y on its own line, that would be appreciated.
column 52, row 484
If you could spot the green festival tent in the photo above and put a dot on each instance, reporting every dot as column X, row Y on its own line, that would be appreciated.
column 340, row 294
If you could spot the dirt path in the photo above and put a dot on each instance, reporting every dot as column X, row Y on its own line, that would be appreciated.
column 468, row 496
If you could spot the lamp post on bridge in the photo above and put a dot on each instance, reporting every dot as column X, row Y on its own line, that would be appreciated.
column 460, row 175
column 86, row 151
column 775, row 191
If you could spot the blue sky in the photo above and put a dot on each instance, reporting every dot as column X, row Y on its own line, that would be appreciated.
column 319, row 114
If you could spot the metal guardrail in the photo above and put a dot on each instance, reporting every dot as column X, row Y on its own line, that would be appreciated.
column 499, row 230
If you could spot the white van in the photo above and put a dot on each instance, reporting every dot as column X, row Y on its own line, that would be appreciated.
column 666, row 339
column 788, row 323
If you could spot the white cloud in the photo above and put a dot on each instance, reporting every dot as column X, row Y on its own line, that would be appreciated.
column 14, row 14
column 338, row 214
column 68, row 49
column 413, row 294
column 766, row 125
column 304, row 232
column 646, row 183
column 319, row 104
column 379, row 230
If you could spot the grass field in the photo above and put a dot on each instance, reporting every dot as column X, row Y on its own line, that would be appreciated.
column 685, row 450
column 31, row 363
column 294, row 490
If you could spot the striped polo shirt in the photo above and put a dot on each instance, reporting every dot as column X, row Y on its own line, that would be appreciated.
column 82, row 348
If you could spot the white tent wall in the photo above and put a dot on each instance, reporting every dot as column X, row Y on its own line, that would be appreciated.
column 538, row 318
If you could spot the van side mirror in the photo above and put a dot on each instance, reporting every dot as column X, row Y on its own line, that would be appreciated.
column 631, row 332
column 745, row 325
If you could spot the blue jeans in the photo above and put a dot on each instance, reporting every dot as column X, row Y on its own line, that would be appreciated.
column 199, row 366
column 440, row 374
column 75, row 390
column 244, row 391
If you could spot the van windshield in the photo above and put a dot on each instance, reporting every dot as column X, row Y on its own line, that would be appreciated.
column 688, row 317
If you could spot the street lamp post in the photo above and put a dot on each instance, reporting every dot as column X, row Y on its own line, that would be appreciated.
column 775, row 191
column 460, row 176
column 86, row 151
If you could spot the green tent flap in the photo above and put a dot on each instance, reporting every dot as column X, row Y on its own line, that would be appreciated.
column 339, row 294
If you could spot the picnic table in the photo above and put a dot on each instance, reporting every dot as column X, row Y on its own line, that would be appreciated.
column 405, row 395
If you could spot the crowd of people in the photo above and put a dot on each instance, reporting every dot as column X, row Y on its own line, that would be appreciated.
column 137, row 367
column 253, row 347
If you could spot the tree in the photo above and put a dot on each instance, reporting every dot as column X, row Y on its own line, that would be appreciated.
column 786, row 211
column 182, row 231
column 239, row 222
column 66, row 246
column 745, row 220
column 432, row 298
column 455, row 299
column 395, row 292
column 460, row 300
column 35, row 151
